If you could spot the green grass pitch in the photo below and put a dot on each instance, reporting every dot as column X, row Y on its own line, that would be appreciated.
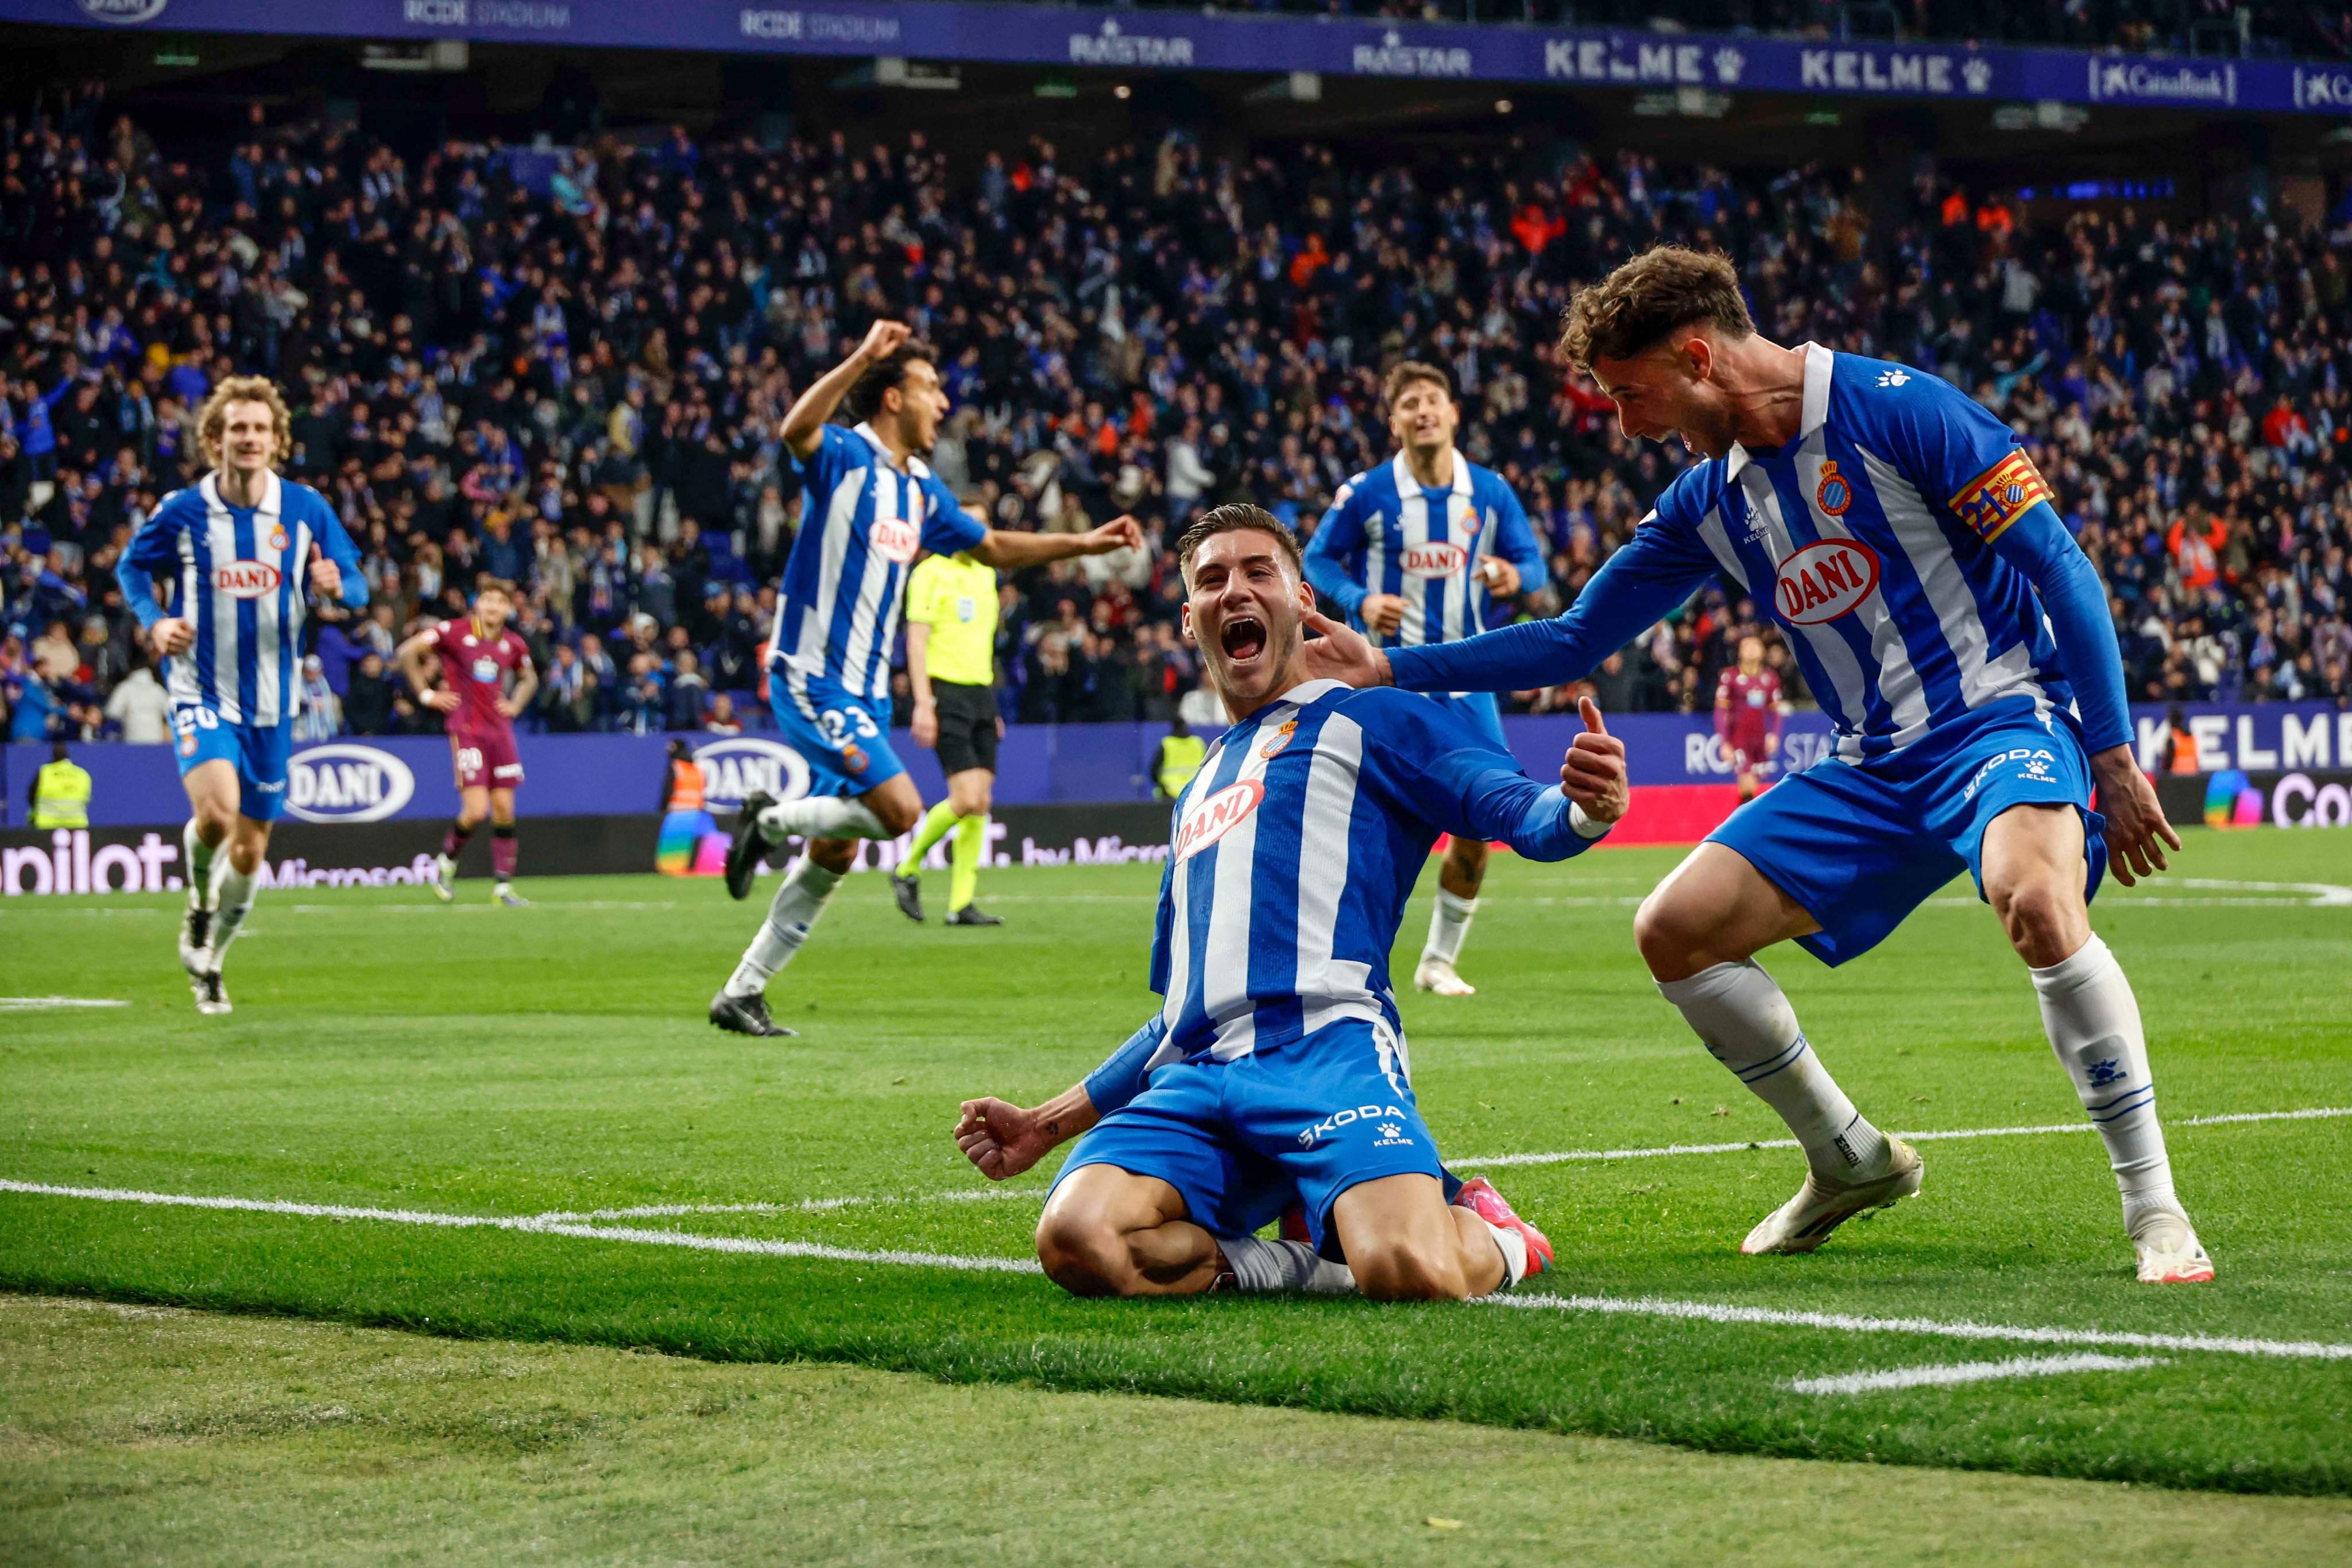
column 388, row 1053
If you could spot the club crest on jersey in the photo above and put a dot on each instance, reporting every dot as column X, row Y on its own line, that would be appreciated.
column 896, row 538
column 1835, row 495
column 486, row 668
column 277, row 540
column 1215, row 817
column 853, row 757
column 1825, row 580
column 245, row 579
column 1279, row 738
column 1439, row 558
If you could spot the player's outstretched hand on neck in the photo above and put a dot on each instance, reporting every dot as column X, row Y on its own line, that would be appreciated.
column 1593, row 773
column 1340, row 653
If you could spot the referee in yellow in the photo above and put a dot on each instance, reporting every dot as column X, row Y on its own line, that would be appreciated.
column 951, row 664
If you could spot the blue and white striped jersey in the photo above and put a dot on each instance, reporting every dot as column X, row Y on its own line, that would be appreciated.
column 1295, row 846
column 1903, row 545
column 862, row 524
column 240, row 574
column 1386, row 533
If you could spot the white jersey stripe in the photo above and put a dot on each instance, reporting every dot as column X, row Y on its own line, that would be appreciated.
column 1899, row 685
column 220, row 541
column 807, row 654
column 1413, row 531
column 1829, row 645
column 1225, row 997
column 1323, row 822
column 268, row 687
column 867, row 609
column 1946, row 587
column 1180, row 894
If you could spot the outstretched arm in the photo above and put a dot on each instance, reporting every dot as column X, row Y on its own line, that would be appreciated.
column 1458, row 782
column 1012, row 552
column 1004, row 1140
column 1332, row 554
column 1650, row 577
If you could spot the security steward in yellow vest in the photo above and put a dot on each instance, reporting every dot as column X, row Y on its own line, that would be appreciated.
column 1180, row 756
column 60, row 792
column 951, row 664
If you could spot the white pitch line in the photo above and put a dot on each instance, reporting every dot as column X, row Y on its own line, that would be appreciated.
column 1847, row 1322
column 805, row 1206
column 1955, row 1373
column 1647, row 1306
column 1494, row 1162
column 533, row 1225
column 41, row 1004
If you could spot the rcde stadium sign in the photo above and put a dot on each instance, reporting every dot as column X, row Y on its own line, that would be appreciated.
column 1331, row 46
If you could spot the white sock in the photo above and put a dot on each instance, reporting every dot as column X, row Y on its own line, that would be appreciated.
column 1260, row 1265
column 822, row 817
column 796, row 905
column 1515, row 1252
column 1746, row 1022
column 1449, row 923
column 237, row 891
column 2093, row 1019
column 199, row 866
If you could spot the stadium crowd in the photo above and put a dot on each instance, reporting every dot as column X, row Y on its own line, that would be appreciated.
column 565, row 367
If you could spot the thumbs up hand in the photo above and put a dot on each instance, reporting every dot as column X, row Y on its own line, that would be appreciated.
column 326, row 577
column 1593, row 773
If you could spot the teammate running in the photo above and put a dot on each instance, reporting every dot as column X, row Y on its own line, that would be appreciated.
column 476, row 654
column 872, row 503
column 1430, row 547
column 236, row 546
column 1748, row 712
column 1277, row 1067
column 1909, row 551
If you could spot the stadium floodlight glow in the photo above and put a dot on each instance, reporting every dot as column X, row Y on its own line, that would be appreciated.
column 1122, row 90
column 1502, row 106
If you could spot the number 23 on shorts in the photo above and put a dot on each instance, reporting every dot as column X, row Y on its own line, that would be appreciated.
column 840, row 724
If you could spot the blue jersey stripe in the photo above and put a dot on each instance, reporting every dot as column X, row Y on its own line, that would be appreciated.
column 248, row 625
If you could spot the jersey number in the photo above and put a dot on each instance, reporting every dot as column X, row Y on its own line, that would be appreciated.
column 840, row 724
column 469, row 759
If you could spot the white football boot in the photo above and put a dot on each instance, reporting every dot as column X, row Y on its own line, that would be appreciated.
column 1437, row 975
column 2168, row 1249
column 211, row 1000
column 195, row 940
column 445, row 878
column 1822, row 1205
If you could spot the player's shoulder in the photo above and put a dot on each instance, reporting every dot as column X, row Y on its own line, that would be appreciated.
column 294, row 495
column 180, row 505
column 1872, row 391
column 1398, row 718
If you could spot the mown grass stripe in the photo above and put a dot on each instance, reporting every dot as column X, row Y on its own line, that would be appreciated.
column 1705, row 1311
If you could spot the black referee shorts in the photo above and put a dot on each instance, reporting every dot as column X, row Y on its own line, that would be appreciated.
column 967, row 726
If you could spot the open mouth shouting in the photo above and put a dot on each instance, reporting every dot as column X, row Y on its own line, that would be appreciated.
column 1243, row 641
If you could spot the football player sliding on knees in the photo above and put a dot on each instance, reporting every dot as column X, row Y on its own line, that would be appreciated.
column 1274, row 1077
column 1906, row 549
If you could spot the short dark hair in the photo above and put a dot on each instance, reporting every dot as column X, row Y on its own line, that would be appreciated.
column 1658, row 292
column 1406, row 372
column 1233, row 518
column 865, row 399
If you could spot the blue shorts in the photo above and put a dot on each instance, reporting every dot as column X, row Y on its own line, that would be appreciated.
column 844, row 739
column 1861, row 850
column 258, row 752
column 1479, row 711
column 1238, row 1140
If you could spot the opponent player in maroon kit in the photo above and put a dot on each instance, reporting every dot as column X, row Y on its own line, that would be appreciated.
column 1747, row 714
column 476, row 654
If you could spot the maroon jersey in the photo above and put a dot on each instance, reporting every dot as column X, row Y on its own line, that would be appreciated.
column 476, row 669
column 1747, row 709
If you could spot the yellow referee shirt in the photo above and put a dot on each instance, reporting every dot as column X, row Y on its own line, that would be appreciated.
column 955, row 596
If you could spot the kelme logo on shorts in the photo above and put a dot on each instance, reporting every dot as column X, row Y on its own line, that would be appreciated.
column 1390, row 1131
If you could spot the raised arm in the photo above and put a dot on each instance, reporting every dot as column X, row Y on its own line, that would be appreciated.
column 1457, row 782
column 804, row 422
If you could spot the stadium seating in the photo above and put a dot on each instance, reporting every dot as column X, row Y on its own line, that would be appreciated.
column 565, row 366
